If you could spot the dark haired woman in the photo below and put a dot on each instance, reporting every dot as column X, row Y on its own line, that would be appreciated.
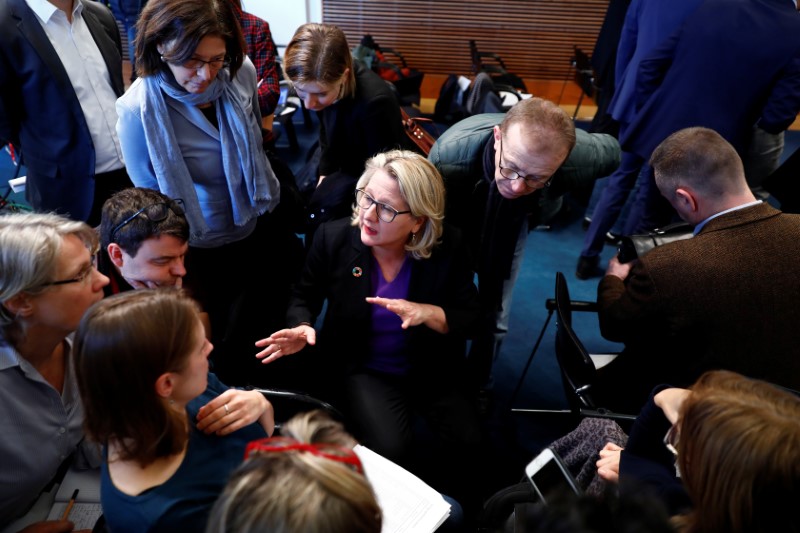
column 358, row 113
column 190, row 127
column 172, row 433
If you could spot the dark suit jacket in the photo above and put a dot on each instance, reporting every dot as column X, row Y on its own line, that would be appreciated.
column 355, row 129
column 726, row 298
column 339, row 269
column 733, row 63
column 40, row 112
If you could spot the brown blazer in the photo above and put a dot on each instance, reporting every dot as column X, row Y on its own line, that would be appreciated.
column 727, row 298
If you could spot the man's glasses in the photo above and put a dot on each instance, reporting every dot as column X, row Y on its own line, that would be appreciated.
column 154, row 213
column 215, row 64
column 84, row 274
column 386, row 212
column 530, row 181
column 333, row 452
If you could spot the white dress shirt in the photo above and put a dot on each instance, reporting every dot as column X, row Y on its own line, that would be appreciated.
column 89, row 76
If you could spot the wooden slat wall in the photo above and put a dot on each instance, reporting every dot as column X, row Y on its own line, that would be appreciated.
column 533, row 37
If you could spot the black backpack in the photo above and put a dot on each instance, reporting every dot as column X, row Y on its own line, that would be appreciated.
column 450, row 107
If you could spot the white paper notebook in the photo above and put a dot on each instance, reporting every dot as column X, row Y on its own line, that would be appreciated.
column 407, row 502
column 87, row 509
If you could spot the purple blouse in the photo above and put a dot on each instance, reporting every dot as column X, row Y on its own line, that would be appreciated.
column 388, row 339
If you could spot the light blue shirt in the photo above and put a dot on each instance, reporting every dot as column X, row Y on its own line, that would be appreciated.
column 702, row 224
column 88, row 75
column 39, row 428
column 199, row 144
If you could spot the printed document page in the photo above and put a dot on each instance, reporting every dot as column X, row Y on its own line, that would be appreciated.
column 408, row 503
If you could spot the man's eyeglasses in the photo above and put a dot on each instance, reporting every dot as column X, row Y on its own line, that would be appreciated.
column 530, row 181
column 154, row 213
column 80, row 277
column 386, row 213
column 333, row 452
column 215, row 64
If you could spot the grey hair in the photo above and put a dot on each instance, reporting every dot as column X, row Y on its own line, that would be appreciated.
column 30, row 244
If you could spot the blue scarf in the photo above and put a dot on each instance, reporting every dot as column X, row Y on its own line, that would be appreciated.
column 243, row 157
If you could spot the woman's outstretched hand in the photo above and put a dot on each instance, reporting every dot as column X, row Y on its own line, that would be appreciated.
column 413, row 314
column 286, row 342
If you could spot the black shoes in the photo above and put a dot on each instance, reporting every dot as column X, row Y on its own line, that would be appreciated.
column 588, row 267
column 613, row 238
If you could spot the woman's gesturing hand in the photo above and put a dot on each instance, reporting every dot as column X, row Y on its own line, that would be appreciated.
column 414, row 314
column 286, row 342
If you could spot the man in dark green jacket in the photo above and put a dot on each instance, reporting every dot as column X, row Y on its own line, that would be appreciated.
column 500, row 171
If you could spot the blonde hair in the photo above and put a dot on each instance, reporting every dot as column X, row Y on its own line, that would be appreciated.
column 295, row 491
column 319, row 53
column 421, row 186
column 30, row 244
column 739, row 455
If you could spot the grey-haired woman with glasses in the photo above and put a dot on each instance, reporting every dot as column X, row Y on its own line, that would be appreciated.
column 401, row 303
column 190, row 127
column 47, row 282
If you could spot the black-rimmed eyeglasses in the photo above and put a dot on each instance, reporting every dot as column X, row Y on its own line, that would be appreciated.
column 153, row 212
column 531, row 182
column 386, row 212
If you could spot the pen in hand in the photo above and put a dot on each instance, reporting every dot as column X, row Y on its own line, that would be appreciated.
column 69, row 505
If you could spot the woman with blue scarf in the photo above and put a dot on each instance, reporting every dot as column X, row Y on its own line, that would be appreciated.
column 190, row 127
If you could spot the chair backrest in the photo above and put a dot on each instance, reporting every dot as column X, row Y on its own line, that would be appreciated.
column 478, row 64
column 584, row 73
column 289, row 403
column 578, row 372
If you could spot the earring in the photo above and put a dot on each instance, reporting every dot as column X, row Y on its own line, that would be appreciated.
column 413, row 238
column 162, row 59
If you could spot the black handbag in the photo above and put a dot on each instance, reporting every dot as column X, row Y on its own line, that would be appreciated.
column 635, row 246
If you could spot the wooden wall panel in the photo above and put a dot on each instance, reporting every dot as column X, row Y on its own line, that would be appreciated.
column 533, row 37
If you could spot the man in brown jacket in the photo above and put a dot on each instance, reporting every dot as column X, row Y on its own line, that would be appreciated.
column 727, row 298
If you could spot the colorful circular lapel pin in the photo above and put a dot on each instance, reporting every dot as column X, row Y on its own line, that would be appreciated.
column 357, row 272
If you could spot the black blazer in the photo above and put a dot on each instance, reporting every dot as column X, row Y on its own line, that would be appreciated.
column 40, row 112
column 339, row 268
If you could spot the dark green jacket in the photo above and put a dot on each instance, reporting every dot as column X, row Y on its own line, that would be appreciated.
column 473, row 203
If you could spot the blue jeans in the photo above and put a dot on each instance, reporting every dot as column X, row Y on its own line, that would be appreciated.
column 127, row 12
